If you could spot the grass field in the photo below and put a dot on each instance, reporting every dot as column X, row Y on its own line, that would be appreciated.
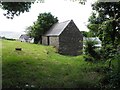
column 38, row 66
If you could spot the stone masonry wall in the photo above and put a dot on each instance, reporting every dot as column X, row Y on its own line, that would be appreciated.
column 44, row 40
column 71, row 40
column 54, row 41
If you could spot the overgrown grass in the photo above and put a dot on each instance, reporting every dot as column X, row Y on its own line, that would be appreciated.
column 38, row 66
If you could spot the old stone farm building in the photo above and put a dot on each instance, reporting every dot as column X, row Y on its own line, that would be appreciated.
column 66, row 37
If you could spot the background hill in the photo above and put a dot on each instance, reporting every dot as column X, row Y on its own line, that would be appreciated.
column 11, row 35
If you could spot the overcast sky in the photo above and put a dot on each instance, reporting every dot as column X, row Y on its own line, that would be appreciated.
column 63, row 9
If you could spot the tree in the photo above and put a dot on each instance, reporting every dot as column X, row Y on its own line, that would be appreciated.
column 15, row 8
column 88, row 34
column 105, row 23
column 41, row 26
column 94, row 25
column 84, row 33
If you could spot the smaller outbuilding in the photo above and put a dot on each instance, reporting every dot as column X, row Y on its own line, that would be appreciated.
column 96, row 39
column 26, row 38
column 66, row 37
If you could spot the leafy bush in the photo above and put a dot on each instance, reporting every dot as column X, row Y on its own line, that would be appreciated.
column 91, row 50
column 89, row 58
column 112, row 77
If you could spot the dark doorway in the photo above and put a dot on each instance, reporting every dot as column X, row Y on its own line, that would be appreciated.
column 48, row 40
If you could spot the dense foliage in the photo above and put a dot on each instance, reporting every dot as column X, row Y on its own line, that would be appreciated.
column 91, row 50
column 42, row 25
column 111, row 79
column 88, row 34
column 105, row 23
column 15, row 8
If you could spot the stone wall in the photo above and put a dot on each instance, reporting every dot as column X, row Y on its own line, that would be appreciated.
column 71, row 40
column 54, row 41
column 44, row 40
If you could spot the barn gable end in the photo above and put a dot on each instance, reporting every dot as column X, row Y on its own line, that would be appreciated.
column 71, row 40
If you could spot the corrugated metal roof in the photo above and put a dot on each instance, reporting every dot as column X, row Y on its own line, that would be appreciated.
column 93, row 39
column 57, row 28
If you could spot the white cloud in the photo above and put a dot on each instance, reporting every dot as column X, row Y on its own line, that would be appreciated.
column 63, row 9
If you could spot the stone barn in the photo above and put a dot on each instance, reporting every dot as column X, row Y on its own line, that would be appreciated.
column 66, row 37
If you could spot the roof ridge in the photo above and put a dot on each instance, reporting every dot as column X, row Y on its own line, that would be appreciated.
column 65, row 21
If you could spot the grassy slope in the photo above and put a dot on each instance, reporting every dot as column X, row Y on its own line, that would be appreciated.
column 39, row 66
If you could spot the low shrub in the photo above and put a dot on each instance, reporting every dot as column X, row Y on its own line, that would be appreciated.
column 92, row 51
column 112, row 77
column 89, row 58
